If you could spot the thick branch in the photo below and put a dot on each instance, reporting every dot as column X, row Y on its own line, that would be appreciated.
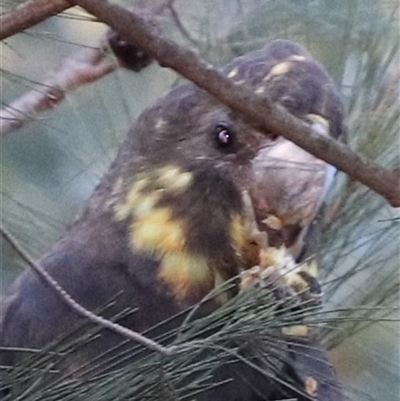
column 260, row 110
column 29, row 14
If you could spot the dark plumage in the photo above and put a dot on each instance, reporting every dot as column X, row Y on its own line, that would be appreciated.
column 167, row 222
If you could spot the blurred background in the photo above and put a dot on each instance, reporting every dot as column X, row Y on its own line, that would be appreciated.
column 50, row 166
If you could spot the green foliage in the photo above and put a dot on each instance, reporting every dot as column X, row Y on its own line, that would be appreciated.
column 252, row 321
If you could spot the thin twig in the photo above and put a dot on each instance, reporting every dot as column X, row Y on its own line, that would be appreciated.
column 260, row 110
column 78, row 308
column 29, row 14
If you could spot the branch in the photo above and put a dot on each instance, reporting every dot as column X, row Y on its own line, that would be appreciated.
column 78, row 308
column 83, row 67
column 86, row 66
column 32, row 12
column 28, row 14
column 259, row 109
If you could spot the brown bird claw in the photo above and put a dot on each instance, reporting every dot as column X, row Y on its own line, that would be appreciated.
column 276, row 267
column 296, row 284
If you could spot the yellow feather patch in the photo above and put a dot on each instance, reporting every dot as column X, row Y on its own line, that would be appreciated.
column 297, row 57
column 260, row 90
column 233, row 73
column 149, row 187
column 319, row 124
column 239, row 233
column 156, row 231
column 173, row 179
column 279, row 69
column 316, row 118
column 185, row 272
column 300, row 330
column 223, row 297
column 160, row 124
column 125, row 210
